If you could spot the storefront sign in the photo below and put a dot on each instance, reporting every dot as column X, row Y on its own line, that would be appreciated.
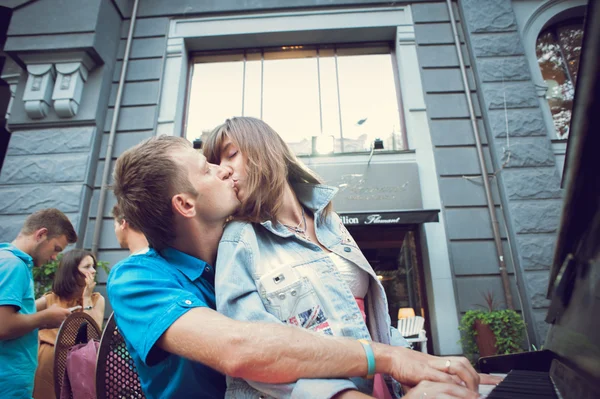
column 374, row 188
column 390, row 218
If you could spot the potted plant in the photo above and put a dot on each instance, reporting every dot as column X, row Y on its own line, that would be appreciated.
column 491, row 331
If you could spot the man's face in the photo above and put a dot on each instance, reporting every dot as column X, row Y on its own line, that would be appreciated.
column 121, row 233
column 48, row 249
column 234, row 160
column 216, row 196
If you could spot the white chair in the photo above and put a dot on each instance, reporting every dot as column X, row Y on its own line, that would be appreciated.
column 411, row 327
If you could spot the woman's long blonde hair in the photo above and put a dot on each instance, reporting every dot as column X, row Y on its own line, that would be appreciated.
column 269, row 161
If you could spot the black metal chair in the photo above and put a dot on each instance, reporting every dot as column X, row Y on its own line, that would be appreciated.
column 116, row 374
column 78, row 328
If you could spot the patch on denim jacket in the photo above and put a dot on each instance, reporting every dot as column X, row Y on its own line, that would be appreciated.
column 312, row 319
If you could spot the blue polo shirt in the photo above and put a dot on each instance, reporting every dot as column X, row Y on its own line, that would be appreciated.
column 18, row 357
column 148, row 292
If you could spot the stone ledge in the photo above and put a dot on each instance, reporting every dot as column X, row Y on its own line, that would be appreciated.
column 536, row 216
column 525, row 152
column 504, row 69
column 531, row 183
column 44, row 169
column 496, row 44
column 537, row 286
column 521, row 122
column 51, row 141
column 489, row 15
column 510, row 95
column 25, row 200
column 536, row 250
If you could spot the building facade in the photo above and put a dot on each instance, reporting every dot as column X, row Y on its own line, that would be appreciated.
column 370, row 94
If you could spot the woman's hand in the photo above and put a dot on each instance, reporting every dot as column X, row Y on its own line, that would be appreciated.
column 438, row 390
column 90, row 284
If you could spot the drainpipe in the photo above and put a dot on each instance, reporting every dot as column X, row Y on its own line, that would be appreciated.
column 111, row 136
column 484, row 172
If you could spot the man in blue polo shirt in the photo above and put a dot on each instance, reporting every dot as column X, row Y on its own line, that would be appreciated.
column 43, row 236
column 164, row 299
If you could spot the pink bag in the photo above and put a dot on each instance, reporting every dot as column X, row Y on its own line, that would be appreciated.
column 380, row 390
column 80, row 373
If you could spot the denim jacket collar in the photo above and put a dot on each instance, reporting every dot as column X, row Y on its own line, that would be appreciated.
column 313, row 196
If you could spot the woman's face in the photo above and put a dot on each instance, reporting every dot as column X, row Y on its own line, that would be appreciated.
column 86, row 266
column 235, row 161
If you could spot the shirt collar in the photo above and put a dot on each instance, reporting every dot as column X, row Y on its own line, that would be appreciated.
column 187, row 264
column 26, row 258
column 314, row 196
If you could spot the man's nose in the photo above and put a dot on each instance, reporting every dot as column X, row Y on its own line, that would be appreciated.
column 224, row 172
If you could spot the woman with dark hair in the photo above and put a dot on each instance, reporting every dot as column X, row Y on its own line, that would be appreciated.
column 73, row 287
column 287, row 258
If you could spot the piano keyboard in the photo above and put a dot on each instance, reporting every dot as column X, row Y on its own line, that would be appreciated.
column 523, row 384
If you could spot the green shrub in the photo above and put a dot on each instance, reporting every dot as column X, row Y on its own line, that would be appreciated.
column 44, row 275
column 507, row 325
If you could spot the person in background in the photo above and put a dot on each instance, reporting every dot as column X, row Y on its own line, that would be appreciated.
column 164, row 299
column 128, row 235
column 44, row 235
column 72, row 288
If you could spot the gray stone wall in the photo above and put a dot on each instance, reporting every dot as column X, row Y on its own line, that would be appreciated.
column 521, row 149
column 46, row 167
column 468, row 227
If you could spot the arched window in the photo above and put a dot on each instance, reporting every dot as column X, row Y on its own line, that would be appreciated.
column 558, row 48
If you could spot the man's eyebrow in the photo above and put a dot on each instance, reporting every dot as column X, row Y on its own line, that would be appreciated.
column 226, row 146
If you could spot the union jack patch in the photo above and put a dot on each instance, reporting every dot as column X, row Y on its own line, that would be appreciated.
column 312, row 319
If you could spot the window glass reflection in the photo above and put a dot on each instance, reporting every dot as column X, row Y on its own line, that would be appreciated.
column 558, row 50
column 347, row 92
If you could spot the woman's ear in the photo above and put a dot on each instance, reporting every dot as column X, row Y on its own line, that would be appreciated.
column 184, row 205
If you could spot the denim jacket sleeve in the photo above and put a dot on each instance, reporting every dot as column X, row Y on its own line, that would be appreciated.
column 238, row 298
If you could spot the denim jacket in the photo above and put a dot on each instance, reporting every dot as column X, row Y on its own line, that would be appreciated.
column 266, row 273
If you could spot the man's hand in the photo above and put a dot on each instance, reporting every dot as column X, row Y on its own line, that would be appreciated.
column 54, row 316
column 411, row 367
column 430, row 390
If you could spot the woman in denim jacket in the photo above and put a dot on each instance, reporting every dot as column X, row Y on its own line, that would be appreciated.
column 287, row 257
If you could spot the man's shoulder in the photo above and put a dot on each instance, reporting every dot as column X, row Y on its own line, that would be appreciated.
column 147, row 264
column 9, row 260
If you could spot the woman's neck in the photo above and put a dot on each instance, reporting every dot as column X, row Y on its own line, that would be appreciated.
column 291, row 211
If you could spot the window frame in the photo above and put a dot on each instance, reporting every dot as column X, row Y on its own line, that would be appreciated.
column 543, row 16
column 240, row 54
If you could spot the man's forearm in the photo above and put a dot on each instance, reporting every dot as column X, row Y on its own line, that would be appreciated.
column 269, row 353
column 16, row 324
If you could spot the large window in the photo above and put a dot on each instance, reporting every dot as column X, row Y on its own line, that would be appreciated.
column 344, row 96
column 558, row 49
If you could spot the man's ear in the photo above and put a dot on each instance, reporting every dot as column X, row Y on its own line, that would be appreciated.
column 184, row 205
column 41, row 234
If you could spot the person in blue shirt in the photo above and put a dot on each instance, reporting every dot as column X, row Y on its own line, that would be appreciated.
column 44, row 235
column 164, row 299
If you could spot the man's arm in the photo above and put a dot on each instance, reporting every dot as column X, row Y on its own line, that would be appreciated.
column 15, row 324
column 274, row 353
